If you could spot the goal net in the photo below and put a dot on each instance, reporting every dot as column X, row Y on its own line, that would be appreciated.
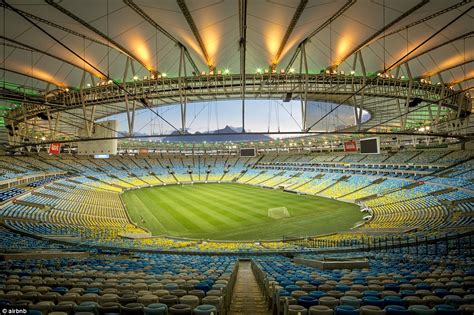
column 278, row 213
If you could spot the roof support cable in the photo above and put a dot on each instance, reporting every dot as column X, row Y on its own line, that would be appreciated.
column 142, row 100
column 369, row 81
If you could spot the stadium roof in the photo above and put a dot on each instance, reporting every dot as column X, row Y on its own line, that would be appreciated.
column 50, row 44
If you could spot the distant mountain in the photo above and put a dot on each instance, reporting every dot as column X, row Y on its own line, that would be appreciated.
column 226, row 134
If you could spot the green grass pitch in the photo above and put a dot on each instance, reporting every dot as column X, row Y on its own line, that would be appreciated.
column 235, row 212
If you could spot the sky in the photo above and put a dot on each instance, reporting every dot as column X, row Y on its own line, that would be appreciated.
column 260, row 116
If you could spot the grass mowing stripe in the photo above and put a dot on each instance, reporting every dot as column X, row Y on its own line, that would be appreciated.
column 200, row 211
column 146, row 213
column 160, row 202
column 236, row 211
column 225, row 206
column 278, row 202
column 183, row 212
column 201, row 207
column 224, row 202
column 174, row 210
column 162, row 215
column 193, row 209
column 230, row 200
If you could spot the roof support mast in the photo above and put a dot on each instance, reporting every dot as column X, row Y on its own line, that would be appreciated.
column 189, row 18
column 289, row 30
column 95, row 30
column 242, row 48
column 374, row 36
column 389, row 68
column 182, row 91
column 142, row 100
column 130, row 114
column 147, row 18
column 339, row 12
column 304, row 98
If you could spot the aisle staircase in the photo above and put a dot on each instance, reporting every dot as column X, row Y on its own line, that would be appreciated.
column 247, row 297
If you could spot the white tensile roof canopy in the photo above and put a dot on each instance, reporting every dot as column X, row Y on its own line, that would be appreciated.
column 45, row 43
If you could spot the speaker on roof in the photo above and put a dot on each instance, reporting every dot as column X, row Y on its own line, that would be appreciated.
column 43, row 116
column 288, row 97
column 415, row 102
column 102, row 139
column 464, row 114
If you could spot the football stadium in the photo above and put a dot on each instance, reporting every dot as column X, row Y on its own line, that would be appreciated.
column 226, row 157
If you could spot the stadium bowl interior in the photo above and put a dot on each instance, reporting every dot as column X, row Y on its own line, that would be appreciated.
column 236, row 157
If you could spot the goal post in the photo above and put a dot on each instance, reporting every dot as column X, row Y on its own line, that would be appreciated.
column 278, row 213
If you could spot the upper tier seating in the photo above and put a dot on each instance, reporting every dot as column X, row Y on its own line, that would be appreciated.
column 10, row 193
column 87, row 203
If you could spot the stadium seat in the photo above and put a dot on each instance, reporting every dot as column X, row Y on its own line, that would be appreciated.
column 180, row 309
column 397, row 310
column 307, row 301
column 345, row 310
column 297, row 310
column 205, row 309
column 421, row 310
column 108, row 307
column 350, row 300
column 320, row 310
column 328, row 301
column 132, row 309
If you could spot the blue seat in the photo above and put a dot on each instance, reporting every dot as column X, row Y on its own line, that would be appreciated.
column 60, row 290
column 317, row 294
column 92, row 290
column 392, row 287
column 156, row 309
column 397, row 310
column 423, row 286
column 307, row 301
column 284, row 283
column 440, row 292
column 395, row 300
column 422, row 310
column 359, row 281
column 405, row 293
column 372, row 293
column 202, row 286
column 445, row 309
column 373, row 300
column 346, row 310
column 292, row 287
column 342, row 287
column 454, row 300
